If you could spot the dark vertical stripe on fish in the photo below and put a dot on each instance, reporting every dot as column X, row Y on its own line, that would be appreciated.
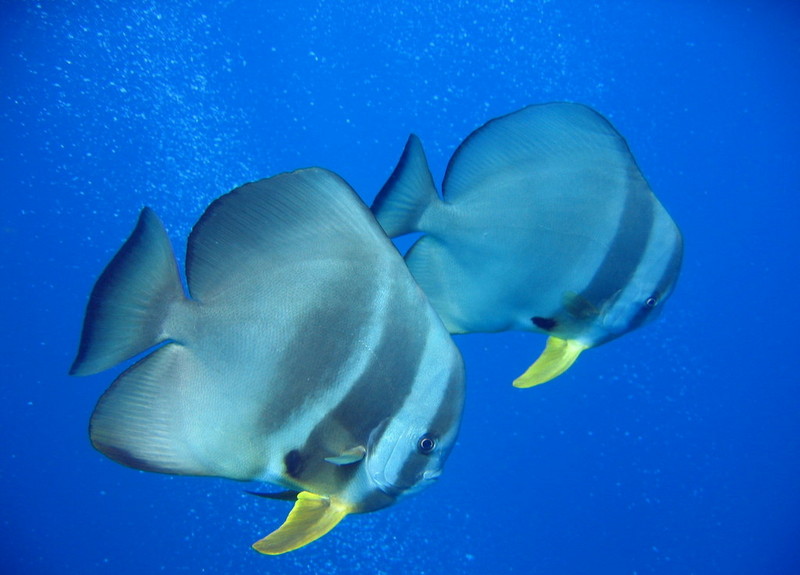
column 665, row 283
column 316, row 358
column 447, row 412
column 628, row 246
column 376, row 396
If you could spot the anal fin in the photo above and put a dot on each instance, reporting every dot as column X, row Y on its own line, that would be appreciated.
column 557, row 357
column 311, row 517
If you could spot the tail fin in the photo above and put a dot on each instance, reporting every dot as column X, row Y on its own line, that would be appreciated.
column 407, row 194
column 130, row 300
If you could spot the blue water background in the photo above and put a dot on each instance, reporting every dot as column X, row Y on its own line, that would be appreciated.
column 675, row 449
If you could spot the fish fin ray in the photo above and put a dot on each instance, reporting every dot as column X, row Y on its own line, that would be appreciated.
column 557, row 357
column 247, row 233
column 311, row 517
column 131, row 298
column 407, row 194
column 529, row 142
column 167, row 414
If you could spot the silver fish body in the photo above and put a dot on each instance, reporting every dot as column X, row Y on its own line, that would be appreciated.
column 305, row 356
column 546, row 224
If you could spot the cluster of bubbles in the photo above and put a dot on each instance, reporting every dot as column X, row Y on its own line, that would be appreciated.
column 222, row 522
column 130, row 102
column 175, row 104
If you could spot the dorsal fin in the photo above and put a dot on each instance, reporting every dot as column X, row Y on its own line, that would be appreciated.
column 246, row 234
column 407, row 194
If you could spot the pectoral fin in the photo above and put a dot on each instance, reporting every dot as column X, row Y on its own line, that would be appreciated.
column 578, row 306
column 352, row 455
column 557, row 357
column 311, row 517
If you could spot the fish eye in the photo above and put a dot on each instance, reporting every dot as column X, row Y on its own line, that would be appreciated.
column 651, row 302
column 426, row 444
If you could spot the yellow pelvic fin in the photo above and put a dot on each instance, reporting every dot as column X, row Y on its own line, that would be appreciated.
column 557, row 357
column 352, row 455
column 311, row 517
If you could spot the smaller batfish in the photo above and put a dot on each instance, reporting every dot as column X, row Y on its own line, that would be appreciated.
column 546, row 224
column 305, row 355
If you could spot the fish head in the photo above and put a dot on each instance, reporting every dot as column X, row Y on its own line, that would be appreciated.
column 408, row 460
column 403, row 454
column 408, row 452
column 643, row 299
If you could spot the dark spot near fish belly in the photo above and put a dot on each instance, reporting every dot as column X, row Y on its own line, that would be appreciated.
column 545, row 323
column 294, row 463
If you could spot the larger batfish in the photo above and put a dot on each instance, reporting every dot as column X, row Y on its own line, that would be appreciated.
column 546, row 225
column 305, row 355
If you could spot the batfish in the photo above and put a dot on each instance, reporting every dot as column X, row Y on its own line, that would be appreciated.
column 304, row 355
column 546, row 224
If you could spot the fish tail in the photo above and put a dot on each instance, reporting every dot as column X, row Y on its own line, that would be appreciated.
column 131, row 299
column 408, row 193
